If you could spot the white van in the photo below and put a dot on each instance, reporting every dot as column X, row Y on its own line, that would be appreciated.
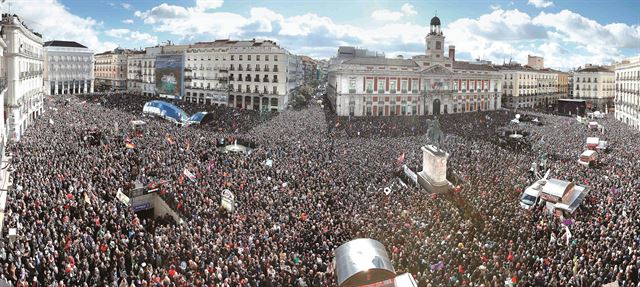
column 530, row 196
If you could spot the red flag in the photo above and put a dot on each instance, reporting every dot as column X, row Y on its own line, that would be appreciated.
column 180, row 179
column 510, row 256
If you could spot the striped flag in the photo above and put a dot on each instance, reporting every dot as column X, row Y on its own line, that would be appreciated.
column 189, row 175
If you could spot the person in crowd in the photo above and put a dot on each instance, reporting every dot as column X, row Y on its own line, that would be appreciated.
column 325, row 186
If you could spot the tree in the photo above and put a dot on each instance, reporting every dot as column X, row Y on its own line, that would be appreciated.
column 306, row 91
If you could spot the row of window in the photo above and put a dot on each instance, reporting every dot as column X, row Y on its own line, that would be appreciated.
column 69, row 59
column 257, row 57
column 628, row 75
column 429, row 84
column 108, row 68
column 532, row 77
column 595, row 80
column 256, row 78
column 233, row 58
column 240, row 101
column 256, row 89
column 257, row 68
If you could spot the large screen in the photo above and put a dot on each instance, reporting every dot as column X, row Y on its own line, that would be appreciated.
column 169, row 75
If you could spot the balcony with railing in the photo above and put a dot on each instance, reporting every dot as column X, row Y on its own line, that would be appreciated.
column 29, row 74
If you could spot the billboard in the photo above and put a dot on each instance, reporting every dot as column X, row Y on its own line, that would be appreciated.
column 168, row 77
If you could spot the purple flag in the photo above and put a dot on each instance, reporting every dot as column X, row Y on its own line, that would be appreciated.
column 437, row 266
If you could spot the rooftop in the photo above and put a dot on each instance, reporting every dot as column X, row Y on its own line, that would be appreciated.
column 593, row 69
column 526, row 68
column 462, row 65
column 378, row 61
column 59, row 43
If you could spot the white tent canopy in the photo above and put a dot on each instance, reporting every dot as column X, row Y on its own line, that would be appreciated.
column 588, row 153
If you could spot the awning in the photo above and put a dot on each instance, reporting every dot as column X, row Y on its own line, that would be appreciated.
column 165, row 110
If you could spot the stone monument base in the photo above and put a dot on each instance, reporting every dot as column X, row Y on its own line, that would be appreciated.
column 431, row 186
column 433, row 177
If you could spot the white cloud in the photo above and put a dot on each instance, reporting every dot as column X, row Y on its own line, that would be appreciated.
column 57, row 23
column 203, row 5
column 386, row 15
column 126, row 6
column 128, row 35
column 162, row 12
column 408, row 9
column 494, row 7
column 127, row 21
column 390, row 16
column 117, row 33
column 565, row 39
column 579, row 29
column 540, row 3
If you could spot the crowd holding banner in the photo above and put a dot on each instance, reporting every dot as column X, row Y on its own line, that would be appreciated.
column 325, row 185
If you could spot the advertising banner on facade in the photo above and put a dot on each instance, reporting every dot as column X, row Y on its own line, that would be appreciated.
column 169, row 69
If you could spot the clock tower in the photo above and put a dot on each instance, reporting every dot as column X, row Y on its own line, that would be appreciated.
column 435, row 41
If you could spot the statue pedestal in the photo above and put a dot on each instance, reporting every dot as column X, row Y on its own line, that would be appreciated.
column 433, row 177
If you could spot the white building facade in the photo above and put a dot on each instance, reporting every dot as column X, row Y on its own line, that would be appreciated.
column 259, row 77
column 627, row 99
column 361, row 83
column 206, row 73
column 526, row 87
column 141, row 71
column 68, row 68
column 24, row 69
column 252, row 75
column 596, row 85
column 111, row 70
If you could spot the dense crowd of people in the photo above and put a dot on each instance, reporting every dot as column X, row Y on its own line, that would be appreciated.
column 324, row 187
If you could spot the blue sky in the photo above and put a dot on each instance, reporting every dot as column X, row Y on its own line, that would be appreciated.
column 567, row 33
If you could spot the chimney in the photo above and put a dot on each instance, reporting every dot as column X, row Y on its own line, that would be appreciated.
column 452, row 53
